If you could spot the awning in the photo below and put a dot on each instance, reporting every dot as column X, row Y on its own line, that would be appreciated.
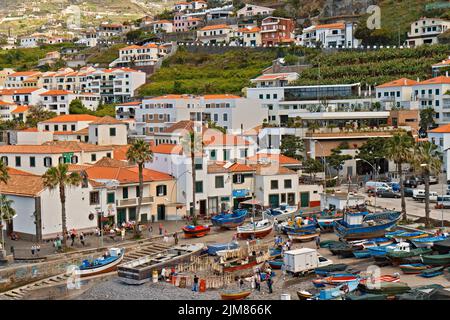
column 252, row 202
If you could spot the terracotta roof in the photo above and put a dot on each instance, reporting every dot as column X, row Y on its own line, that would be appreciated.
column 29, row 130
column 131, row 103
column 441, row 129
column 181, row 125
column 215, row 27
column 56, row 93
column 4, row 103
column 437, row 80
column 78, row 146
column 398, row 83
column 442, row 63
column 83, row 131
column 77, row 167
column 108, row 162
column 219, row 167
column 20, row 109
column 167, row 149
column 107, row 120
column 271, row 169
column 71, row 118
column 273, row 158
column 22, row 90
column 120, row 152
column 23, row 184
column 272, row 76
column 20, row 172
column 125, row 175
column 33, row 149
column 24, row 73
column 220, row 96
column 131, row 47
column 250, row 30
column 331, row 26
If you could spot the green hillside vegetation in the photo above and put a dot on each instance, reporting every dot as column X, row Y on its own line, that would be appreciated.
column 103, row 57
column 23, row 59
column 201, row 73
column 373, row 67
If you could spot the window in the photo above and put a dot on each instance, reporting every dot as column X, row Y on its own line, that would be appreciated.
column 220, row 183
column 125, row 192
column 108, row 154
column 137, row 191
column 64, row 127
column 288, row 184
column 274, row 184
column 261, row 96
column 161, row 190
column 226, row 155
column 112, row 132
column 18, row 161
column 4, row 159
column 198, row 166
column 110, row 197
column 93, row 157
column 72, row 127
column 198, row 186
column 47, row 162
column 243, row 153
column 94, row 198
column 32, row 161
column 213, row 155
column 96, row 132
column 47, row 128
column 225, row 117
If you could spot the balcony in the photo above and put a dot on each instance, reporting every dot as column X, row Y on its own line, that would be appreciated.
column 425, row 97
column 388, row 99
column 333, row 133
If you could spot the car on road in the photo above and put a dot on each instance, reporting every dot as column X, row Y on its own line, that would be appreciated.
column 419, row 194
column 394, row 185
column 408, row 192
column 434, row 180
column 410, row 183
column 388, row 194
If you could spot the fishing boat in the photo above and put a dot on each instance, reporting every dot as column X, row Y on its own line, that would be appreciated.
column 330, row 268
column 213, row 248
column 392, row 234
column 338, row 292
column 275, row 252
column 410, row 235
column 191, row 231
column 361, row 225
column 303, row 237
column 240, row 295
column 427, row 242
column 432, row 272
column 335, row 279
column 140, row 270
column 366, row 296
column 107, row 263
column 282, row 213
column 436, row 259
column 384, row 287
column 343, row 249
column 413, row 268
column 442, row 247
column 300, row 225
column 328, row 243
column 258, row 229
column 275, row 264
column 230, row 220
column 397, row 257
column 304, row 295
column 362, row 254
column 325, row 220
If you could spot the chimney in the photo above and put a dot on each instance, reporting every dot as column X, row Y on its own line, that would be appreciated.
column 446, row 73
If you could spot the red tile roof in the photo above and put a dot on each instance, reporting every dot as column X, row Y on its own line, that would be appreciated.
column 56, row 93
column 167, row 149
column 215, row 27
column 107, row 120
column 398, row 83
column 20, row 109
column 274, row 158
column 437, row 80
column 441, row 129
column 71, row 118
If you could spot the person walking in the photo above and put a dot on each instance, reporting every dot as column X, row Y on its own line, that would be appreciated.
column 122, row 234
column 175, row 238
column 82, row 239
column 73, row 236
column 160, row 229
column 257, row 282
column 318, row 242
column 33, row 249
column 38, row 249
column 269, row 284
column 150, row 230
column 195, row 285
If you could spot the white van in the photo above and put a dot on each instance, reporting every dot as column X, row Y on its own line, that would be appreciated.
column 444, row 200
column 419, row 194
column 376, row 185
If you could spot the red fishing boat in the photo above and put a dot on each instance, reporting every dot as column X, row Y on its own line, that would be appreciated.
column 258, row 229
column 195, row 231
column 235, row 295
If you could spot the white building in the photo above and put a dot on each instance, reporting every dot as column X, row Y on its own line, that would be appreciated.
column 219, row 33
column 340, row 35
column 108, row 131
column 275, row 79
column 17, row 79
column 251, row 10
column 397, row 93
column 426, row 31
column 127, row 110
column 146, row 55
column 160, row 26
column 251, row 36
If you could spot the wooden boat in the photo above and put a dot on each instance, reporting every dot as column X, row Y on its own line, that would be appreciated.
column 432, row 272
column 106, row 263
column 413, row 268
column 384, row 287
column 330, row 268
column 397, row 257
column 344, row 250
column 427, row 242
column 410, row 235
column 336, row 279
column 328, row 243
column 275, row 264
column 213, row 248
column 436, row 259
column 362, row 254
column 392, row 234
column 361, row 225
column 258, row 229
column 442, row 247
column 305, row 237
column 235, row 295
column 282, row 213
column 275, row 252
column 304, row 295
column 338, row 292
column 140, row 270
column 191, row 231
column 230, row 220
column 366, row 296
column 299, row 226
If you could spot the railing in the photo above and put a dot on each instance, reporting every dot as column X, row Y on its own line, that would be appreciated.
column 127, row 202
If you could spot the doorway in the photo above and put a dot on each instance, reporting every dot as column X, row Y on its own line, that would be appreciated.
column 161, row 211
column 202, row 207
column 304, row 199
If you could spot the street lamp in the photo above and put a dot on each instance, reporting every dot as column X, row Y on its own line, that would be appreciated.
column 375, row 170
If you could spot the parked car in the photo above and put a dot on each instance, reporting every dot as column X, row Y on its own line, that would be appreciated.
column 434, row 180
column 410, row 183
column 394, row 185
column 408, row 192
column 419, row 194
column 388, row 194
column 376, row 185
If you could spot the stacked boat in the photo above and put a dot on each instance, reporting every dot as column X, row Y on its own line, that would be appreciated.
column 229, row 220
column 282, row 213
column 254, row 230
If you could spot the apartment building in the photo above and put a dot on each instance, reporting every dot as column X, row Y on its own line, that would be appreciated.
column 275, row 79
column 438, row 69
column 4, row 73
column 275, row 30
column 127, row 110
column 251, row 10
column 183, row 22
column 227, row 111
column 107, row 131
column 440, row 136
column 160, row 26
column 426, row 31
column 135, row 55
column 17, row 79
column 219, row 33
column 69, row 122
column 397, row 93
column 6, row 109
column 195, row 5
column 59, row 101
column 108, row 30
column 250, row 36
column 334, row 35
column 434, row 93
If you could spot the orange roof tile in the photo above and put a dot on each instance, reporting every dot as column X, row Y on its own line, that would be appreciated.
column 71, row 118
column 167, row 148
column 398, row 83
column 33, row 149
column 271, row 170
column 27, row 185
column 120, row 152
column 219, row 167
column 4, row 103
column 442, row 63
column 125, row 175
column 338, row 25
column 20, row 109
column 23, row 90
column 272, row 76
column 131, row 103
column 215, row 27
column 437, row 80
column 274, row 158
column 107, row 120
column 12, row 171
column 56, row 93
column 24, row 73
column 441, row 129
column 220, row 96
column 250, row 30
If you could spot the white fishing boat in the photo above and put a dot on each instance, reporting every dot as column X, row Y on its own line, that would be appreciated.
column 282, row 213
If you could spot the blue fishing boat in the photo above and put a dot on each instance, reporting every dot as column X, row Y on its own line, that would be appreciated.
column 300, row 225
column 427, row 241
column 377, row 251
column 213, row 248
column 392, row 234
column 362, row 254
column 361, row 225
column 106, row 263
column 275, row 252
column 275, row 264
column 338, row 292
column 433, row 272
column 230, row 220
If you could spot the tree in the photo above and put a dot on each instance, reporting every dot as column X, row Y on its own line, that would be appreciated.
column 427, row 118
column 7, row 212
column 373, row 150
column 4, row 175
column 214, row 125
column 398, row 149
column 292, row 146
column 38, row 114
column 193, row 144
column 77, row 107
column 4, row 214
column 426, row 159
column 59, row 177
column 313, row 126
column 313, row 166
column 139, row 153
column 336, row 159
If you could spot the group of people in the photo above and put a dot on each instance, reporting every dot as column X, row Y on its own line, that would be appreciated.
column 167, row 274
column 35, row 249
column 261, row 276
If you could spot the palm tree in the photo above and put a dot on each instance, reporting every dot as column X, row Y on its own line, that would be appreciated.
column 193, row 143
column 4, row 177
column 426, row 159
column 59, row 177
column 139, row 153
column 7, row 212
column 398, row 149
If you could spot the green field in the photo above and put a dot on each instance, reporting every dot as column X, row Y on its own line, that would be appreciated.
column 200, row 73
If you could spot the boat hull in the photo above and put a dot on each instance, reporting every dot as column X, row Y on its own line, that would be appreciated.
column 235, row 296
column 303, row 237
column 436, row 260
column 229, row 221
column 254, row 233
column 110, row 267
column 196, row 233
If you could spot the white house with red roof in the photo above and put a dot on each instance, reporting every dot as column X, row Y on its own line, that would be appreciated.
column 24, row 96
column 251, row 10
column 397, row 93
column 108, row 131
column 336, row 35
column 145, row 55
column 250, row 36
column 275, row 79
column 6, row 109
column 212, row 34
column 434, row 93
column 16, row 79
column 443, row 65
column 127, row 110
column 159, row 26
column 185, row 22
